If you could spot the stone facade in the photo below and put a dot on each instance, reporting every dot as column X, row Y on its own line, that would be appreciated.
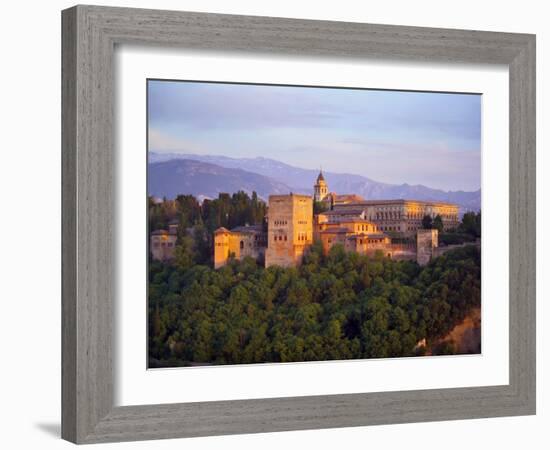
column 334, row 199
column 238, row 243
column 339, row 215
column 400, row 216
column 426, row 243
column 163, row 242
column 289, row 229
column 355, row 235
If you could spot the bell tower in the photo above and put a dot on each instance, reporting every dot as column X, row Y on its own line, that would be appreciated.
column 320, row 188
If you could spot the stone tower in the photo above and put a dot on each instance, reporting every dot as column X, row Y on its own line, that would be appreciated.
column 222, row 247
column 290, row 229
column 320, row 188
column 426, row 242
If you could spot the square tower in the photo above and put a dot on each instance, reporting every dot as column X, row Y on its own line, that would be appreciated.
column 426, row 241
column 290, row 229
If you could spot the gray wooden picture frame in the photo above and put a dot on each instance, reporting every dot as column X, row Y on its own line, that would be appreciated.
column 90, row 34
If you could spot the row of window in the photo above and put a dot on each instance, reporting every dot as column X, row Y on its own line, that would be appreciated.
column 400, row 208
column 285, row 222
column 301, row 237
column 390, row 228
column 363, row 228
column 370, row 241
column 386, row 215
column 399, row 215
column 163, row 244
column 241, row 244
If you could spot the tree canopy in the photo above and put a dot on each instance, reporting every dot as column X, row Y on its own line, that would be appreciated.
column 427, row 222
column 468, row 230
column 471, row 224
column 339, row 306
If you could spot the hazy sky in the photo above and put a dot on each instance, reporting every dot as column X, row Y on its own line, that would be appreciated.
column 391, row 136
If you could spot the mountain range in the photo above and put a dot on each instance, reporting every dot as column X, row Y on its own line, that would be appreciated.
column 205, row 176
column 205, row 180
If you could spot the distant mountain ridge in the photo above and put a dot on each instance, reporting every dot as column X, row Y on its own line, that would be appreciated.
column 204, row 180
column 284, row 178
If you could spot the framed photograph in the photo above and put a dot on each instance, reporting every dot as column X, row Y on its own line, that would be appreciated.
column 278, row 224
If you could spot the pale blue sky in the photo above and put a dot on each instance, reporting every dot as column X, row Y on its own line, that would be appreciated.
column 391, row 136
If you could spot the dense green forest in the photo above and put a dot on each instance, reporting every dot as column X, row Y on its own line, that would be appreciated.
column 468, row 230
column 339, row 306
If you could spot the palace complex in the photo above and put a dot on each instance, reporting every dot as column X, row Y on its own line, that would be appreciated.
column 399, row 216
column 362, row 226
column 393, row 227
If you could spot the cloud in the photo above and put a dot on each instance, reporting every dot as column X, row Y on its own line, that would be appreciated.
column 162, row 142
column 392, row 136
column 230, row 106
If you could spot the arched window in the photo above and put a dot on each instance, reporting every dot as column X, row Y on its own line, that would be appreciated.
column 242, row 245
